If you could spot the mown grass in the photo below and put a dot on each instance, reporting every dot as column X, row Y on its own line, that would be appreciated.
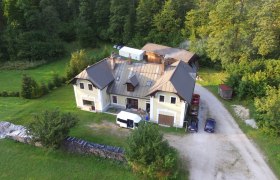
column 270, row 146
column 10, row 80
column 21, row 161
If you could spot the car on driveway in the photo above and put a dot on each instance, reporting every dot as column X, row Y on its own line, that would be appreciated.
column 193, row 125
column 210, row 125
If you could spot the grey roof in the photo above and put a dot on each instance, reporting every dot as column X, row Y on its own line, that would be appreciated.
column 133, row 80
column 168, row 52
column 146, row 75
column 180, row 80
column 100, row 74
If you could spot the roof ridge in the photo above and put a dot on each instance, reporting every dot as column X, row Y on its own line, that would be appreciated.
column 96, row 63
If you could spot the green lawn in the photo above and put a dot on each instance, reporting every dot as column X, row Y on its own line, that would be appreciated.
column 21, row 161
column 269, row 145
column 10, row 80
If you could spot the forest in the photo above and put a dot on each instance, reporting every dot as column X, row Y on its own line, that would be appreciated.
column 240, row 37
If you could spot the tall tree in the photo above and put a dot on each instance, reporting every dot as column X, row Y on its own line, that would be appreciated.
column 145, row 12
column 118, row 14
column 166, row 28
column 266, row 21
column 86, row 24
column 102, row 16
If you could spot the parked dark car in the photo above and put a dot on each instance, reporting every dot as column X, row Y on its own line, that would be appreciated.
column 210, row 125
column 193, row 125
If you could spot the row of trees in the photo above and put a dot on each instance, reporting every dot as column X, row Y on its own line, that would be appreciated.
column 232, row 31
column 37, row 29
column 244, row 37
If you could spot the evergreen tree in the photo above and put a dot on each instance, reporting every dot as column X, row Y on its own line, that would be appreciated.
column 29, row 88
column 86, row 24
column 102, row 16
column 118, row 14
column 166, row 28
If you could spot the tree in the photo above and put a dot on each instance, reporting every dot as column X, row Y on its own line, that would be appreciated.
column 86, row 24
column 118, row 14
column 78, row 62
column 166, row 28
column 102, row 16
column 51, row 127
column 268, row 111
column 148, row 153
column 29, row 88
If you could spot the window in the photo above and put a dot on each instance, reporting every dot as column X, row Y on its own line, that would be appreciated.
column 173, row 100
column 86, row 102
column 149, row 83
column 90, row 87
column 115, row 100
column 82, row 86
column 130, row 87
column 161, row 98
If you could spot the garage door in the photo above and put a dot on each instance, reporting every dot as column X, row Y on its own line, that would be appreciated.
column 165, row 120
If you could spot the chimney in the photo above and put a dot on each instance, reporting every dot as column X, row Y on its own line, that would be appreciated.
column 162, row 66
column 113, row 63
column 129, row 60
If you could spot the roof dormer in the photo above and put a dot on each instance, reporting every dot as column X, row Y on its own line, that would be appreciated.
column 131, row 83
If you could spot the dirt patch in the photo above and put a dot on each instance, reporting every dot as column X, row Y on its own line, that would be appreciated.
column 110, row 128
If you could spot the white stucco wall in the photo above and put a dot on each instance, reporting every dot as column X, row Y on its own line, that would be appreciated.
column 100, row 97
column 166, row 108
column 121, row 101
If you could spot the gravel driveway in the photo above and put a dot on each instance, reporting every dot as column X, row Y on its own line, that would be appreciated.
column 226, row 154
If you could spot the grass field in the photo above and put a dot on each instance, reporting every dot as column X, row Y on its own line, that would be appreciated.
column 269, row 145
column 21, row 161
column 10, row 80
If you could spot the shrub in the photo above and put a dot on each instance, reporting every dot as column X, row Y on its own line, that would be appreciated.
column 78, row 62
column 51, row 127
column 57, row 81
column 4, row 94
column 29, row 88
column 149, row 154
column 268, row 112
column 50, row 85
column 44, row 89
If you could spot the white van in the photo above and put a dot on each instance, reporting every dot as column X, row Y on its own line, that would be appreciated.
column 128, row 120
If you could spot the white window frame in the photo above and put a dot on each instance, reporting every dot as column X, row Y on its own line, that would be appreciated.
column 113, row 99
column 159, row 98
column 175, row 99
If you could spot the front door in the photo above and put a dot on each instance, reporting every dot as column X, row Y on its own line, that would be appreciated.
column 132, row 103
column 148, row 107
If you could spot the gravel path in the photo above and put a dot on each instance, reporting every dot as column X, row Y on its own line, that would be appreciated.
column 226, row 154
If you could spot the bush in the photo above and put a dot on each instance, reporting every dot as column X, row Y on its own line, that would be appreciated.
column 9, row 94
column 78, row 62
column 29, row 88
column 57, row 81
column 268, row 112
column 51, row 127
column 148, row 154
column 4, row 94
column 44, row 89
column 50, row 85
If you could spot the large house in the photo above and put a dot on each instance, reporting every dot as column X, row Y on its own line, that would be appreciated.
column 162, row 84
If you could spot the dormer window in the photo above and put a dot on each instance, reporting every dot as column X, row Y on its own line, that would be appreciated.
column 131, row 83
column 129, row 87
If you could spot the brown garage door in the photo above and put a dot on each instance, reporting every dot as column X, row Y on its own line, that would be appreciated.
column 165, row 120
